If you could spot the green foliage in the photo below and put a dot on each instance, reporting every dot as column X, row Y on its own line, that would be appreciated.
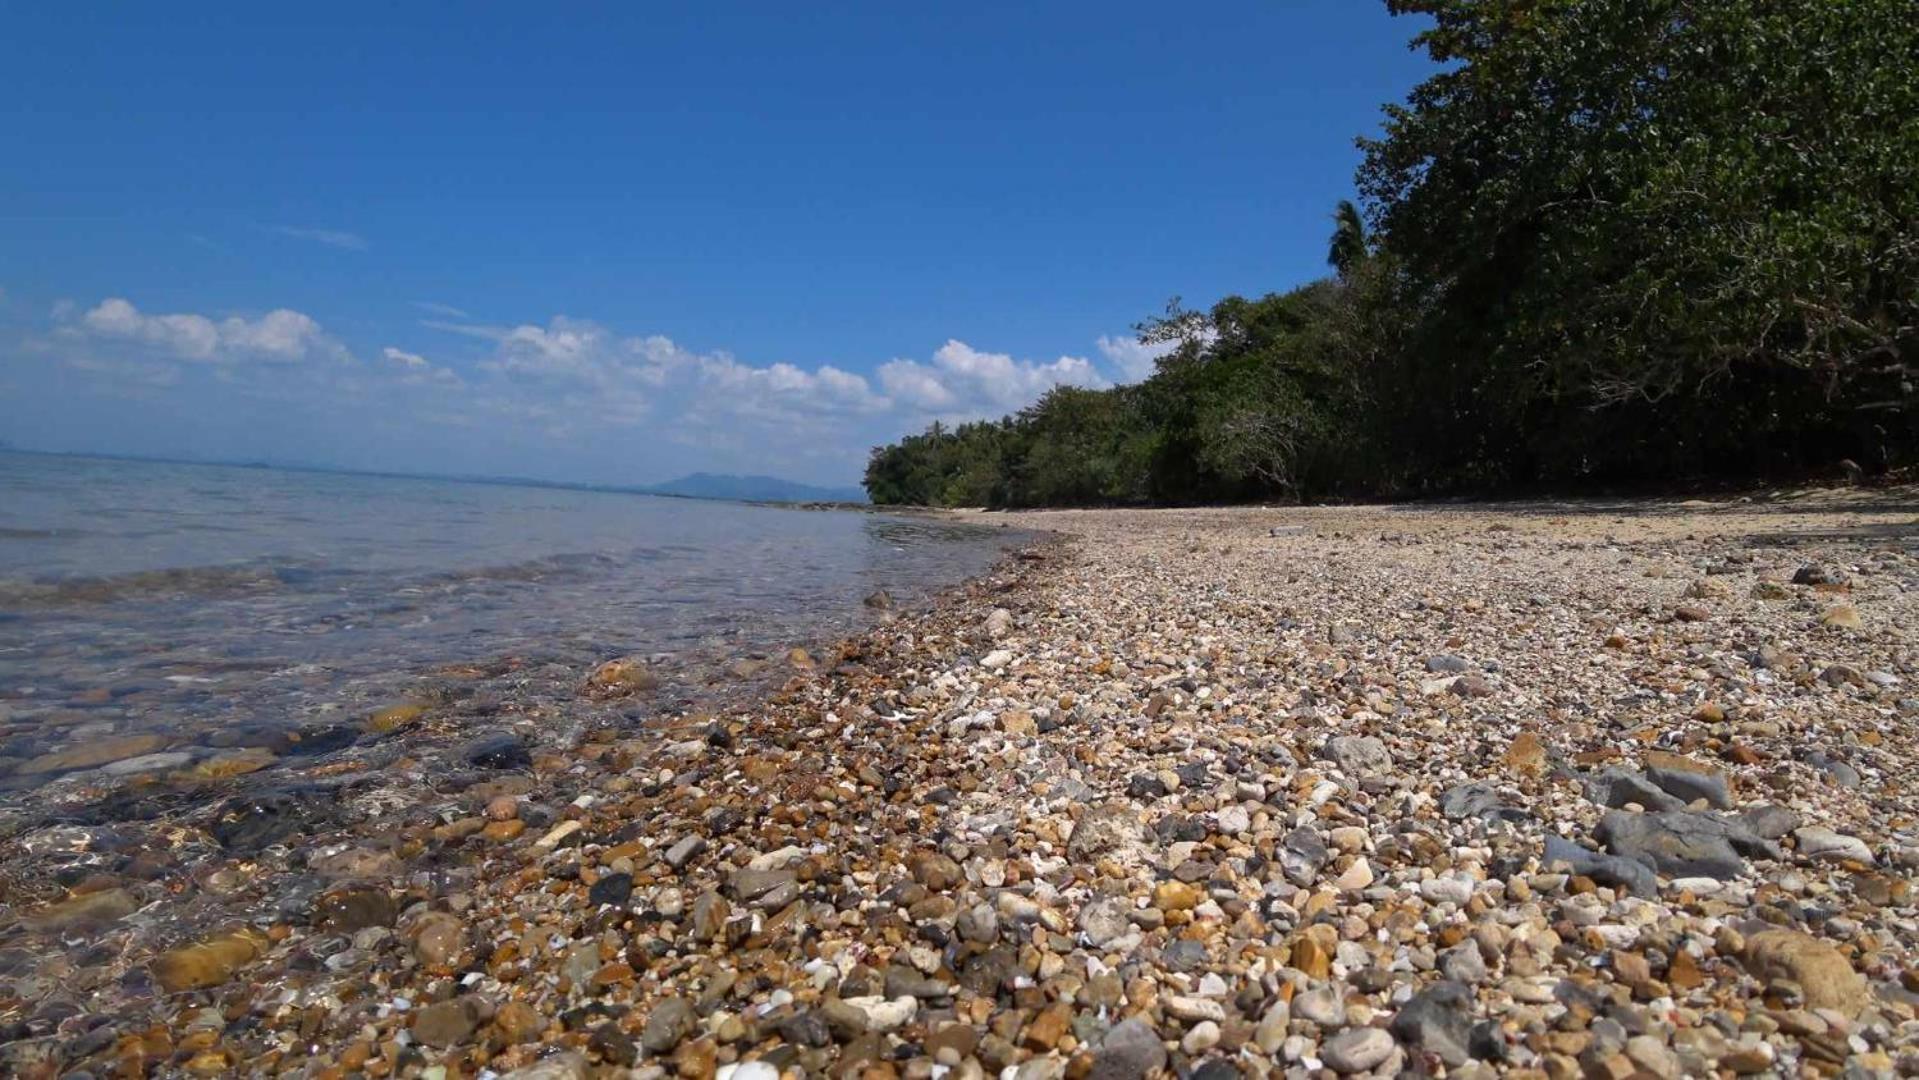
column 1611, row 240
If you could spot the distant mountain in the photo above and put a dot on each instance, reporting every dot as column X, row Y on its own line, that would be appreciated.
column 752, row 489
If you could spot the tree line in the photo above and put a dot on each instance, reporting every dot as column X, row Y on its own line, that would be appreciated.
column 1609, row 242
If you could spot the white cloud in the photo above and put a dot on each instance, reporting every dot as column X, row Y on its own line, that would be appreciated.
column 279, row 336
column 1134, row 359
column 416, row 370
column 963, row 382
column 569, row 387
column 333, row 238
column 443, row 310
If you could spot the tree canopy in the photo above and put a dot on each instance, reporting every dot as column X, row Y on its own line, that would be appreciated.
column 1607, row 241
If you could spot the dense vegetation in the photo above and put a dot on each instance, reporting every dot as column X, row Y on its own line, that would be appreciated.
column 1611, row 241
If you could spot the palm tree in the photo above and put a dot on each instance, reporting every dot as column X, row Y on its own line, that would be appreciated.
column 1348, row 245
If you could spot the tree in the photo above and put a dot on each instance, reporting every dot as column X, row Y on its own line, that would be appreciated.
column 1684, row 234
column 1348, row 244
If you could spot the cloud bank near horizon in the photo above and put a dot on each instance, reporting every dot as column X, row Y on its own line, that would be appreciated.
column 571, row 396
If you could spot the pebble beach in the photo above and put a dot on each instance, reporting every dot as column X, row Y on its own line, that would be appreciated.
column 1614, row 789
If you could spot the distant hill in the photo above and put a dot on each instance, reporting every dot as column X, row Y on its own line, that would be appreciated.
column 752, row 489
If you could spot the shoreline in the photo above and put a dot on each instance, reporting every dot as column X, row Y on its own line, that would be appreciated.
column 1237, row 791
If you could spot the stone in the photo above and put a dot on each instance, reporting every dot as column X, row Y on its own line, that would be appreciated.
column 1824, row 976
column 247, row 823
column 937, row 872
column 1480, row 800
column 611, row 1045
column 611, row 889
column 685, row 850
column 1815, row 574
column 999, row 623
column 349, row 908
column 1617, row 788
column 1358, row 755
column 1321, row 1005
column 1018, row 723
column 1130, row 1050
column 1688, row 780
column 995, row 660
column 145, row 763
column 709, row 915
column 1108, row 829
column 1444, row 664
column 1463, row 964
column 518, row 1022
column 206, row 963
column 498, row 750
column 1357, row 1050
column 1192, row 1009
column 1838, row 772
column 670, row 1021
column 1526, row 756
column 86, row 912
column 1841, row 617
column 438, row 939
column 1768, row 821
column 1613, row 870
column 449, row 1023
column 1200, row 1038
column 1103, row 920
column 1681, row 844
column 561, row 1066
column 1438, row 1021
column 395, row 717
column 1651, row 1055
column 1817, row 842
column 621, row 677
column 94, row 753
column 1301, row 855
column 1355, row 877
column 1175, row 896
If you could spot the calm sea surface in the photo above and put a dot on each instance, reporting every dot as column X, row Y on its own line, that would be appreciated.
column 187, row 599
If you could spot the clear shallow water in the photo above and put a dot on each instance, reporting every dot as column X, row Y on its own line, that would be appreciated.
column 144, row 597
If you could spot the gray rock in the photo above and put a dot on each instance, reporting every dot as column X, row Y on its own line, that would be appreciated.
column 1835, row 770
column 1301, row 856
column 1615, row 788
column 1769, row 822
column 1321, row 1006
column 1604, row 869
column 166, row 759
column 1683, row 844
column 1185, row 955
column 750, row 885
column 1687, row 785
column 1438, row 1021
column 1357, row 1050
column 1478, row 800
column 1358, row 755
column 1103, row 920
column 1816, row 842
column 1107, row 829
column 1130, row 1050
column 671, row 1021
column 1443, row 664
column 685, row 850
column 1462, row 963
column 903, row 981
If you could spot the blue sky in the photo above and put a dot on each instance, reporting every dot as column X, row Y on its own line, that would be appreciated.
column 619, row 243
